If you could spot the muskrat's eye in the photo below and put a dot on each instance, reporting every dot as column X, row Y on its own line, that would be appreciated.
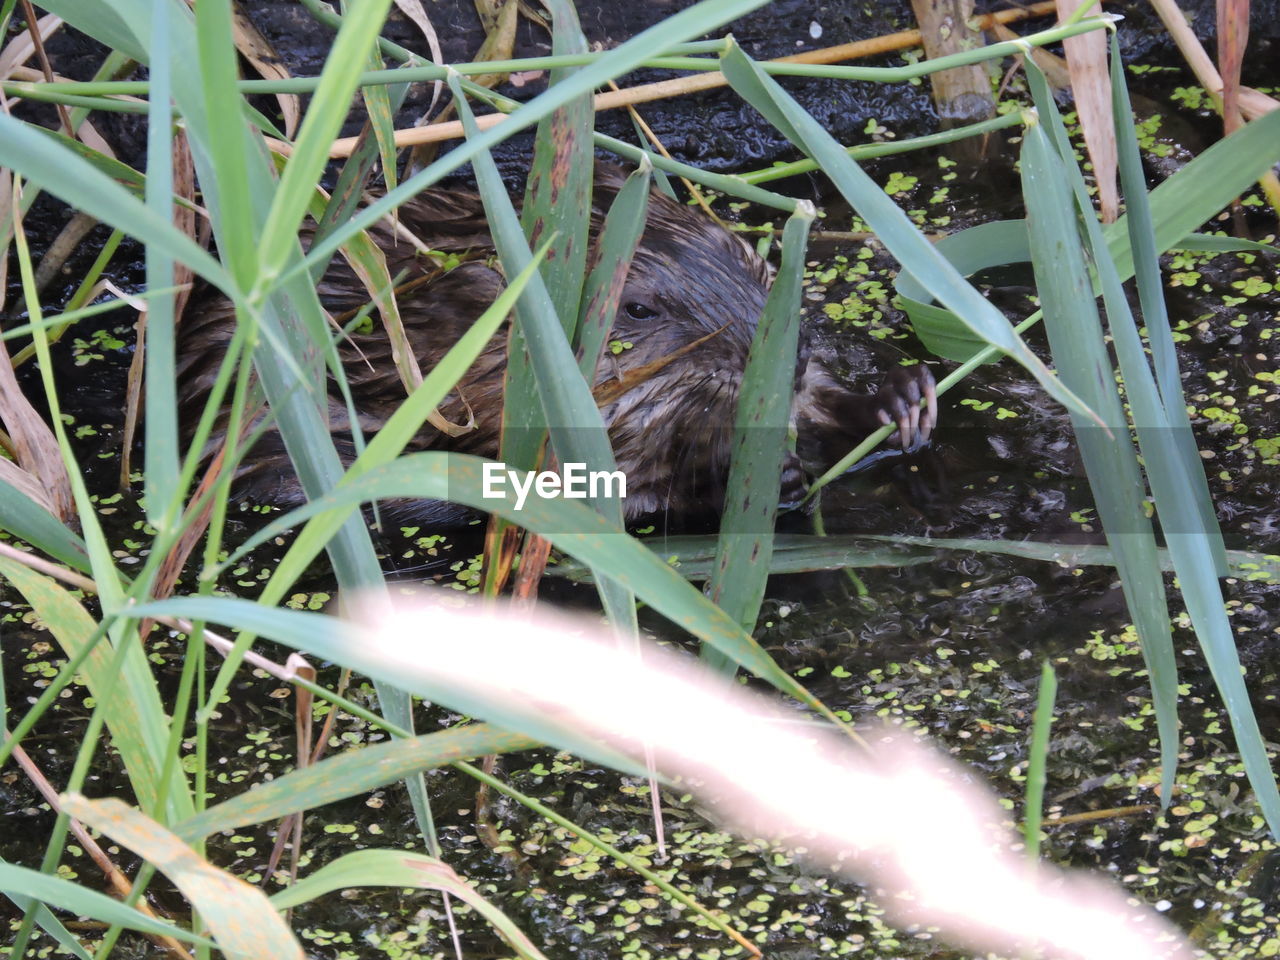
column 640, row 311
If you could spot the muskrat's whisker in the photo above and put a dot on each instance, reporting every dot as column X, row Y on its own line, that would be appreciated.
column 606, row 394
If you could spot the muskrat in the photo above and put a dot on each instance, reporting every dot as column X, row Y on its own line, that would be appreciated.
column 671, row 433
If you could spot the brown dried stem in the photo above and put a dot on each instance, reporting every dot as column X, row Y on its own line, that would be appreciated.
column 682, row 86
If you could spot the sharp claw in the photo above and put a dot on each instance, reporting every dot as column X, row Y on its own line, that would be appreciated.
column 899, row 403
column 930, row 419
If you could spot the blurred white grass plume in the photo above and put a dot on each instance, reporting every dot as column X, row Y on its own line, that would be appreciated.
column 899, row 816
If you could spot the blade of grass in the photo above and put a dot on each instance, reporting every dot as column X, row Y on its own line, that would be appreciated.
column 734, row 185
column 616, row 245
column 557, row 204
column 325, row 113
column 177, row 802
column 692, row 556
column 65, row 895
column 47, row 921
column 33, row 524
column 571, row 526
column 134, row 712
column 1037, row 760
column 969, row 251
column 289, row 317
column 1182, row 203
column 1155, row 315
column 1076, row 339
column 350, row 774
column 391, row 440
column 224, row 901
column 101, row 560
column 695, row 21
column 347, row 194
column 1177, row 207
column 369, row 263
column 240, row 187
column 160, row 470
column 677, row 56
column 311, row 449
column 103, row 21
column 899, row 235
column 218, row 64
column 1178, row 487
column 1218, row 243
column 378, row 107
column 557, row 207
column 329, row 638
column 869, row 151
column 558, row 196
column 76, row 181
column 1179, row 490
column 349, row 189
column 760, row 443
column 398, row 868
column 115, row 169
column 573, row 419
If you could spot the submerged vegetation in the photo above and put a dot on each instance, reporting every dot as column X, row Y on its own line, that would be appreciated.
column 146, row 732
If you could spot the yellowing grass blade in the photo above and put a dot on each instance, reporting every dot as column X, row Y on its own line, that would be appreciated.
column 239, row 916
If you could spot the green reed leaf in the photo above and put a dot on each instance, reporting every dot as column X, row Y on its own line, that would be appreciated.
column 30, row 522
column 1037, row 761
column 760, row 441
column 65, row 895
column 391, row 440
column 1076, row 339
column 891, row 224
column 572, row 527
column 160, row 470
column 616, row 245
column 412, row 871
column 694, row 21
column 130, row 700
column 328, row 108
column 67, row 176
column 350, row 774
column 239, row 916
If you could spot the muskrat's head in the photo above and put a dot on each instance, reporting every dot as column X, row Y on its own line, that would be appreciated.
column 689, row 278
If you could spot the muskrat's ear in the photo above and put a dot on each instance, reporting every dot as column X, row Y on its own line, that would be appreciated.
column 609, row 177
column 608, row 180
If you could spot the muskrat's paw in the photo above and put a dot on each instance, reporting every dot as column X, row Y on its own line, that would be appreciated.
column 898, row 402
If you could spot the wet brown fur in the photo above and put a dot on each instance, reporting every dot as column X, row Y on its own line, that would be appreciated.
column 670, row 433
